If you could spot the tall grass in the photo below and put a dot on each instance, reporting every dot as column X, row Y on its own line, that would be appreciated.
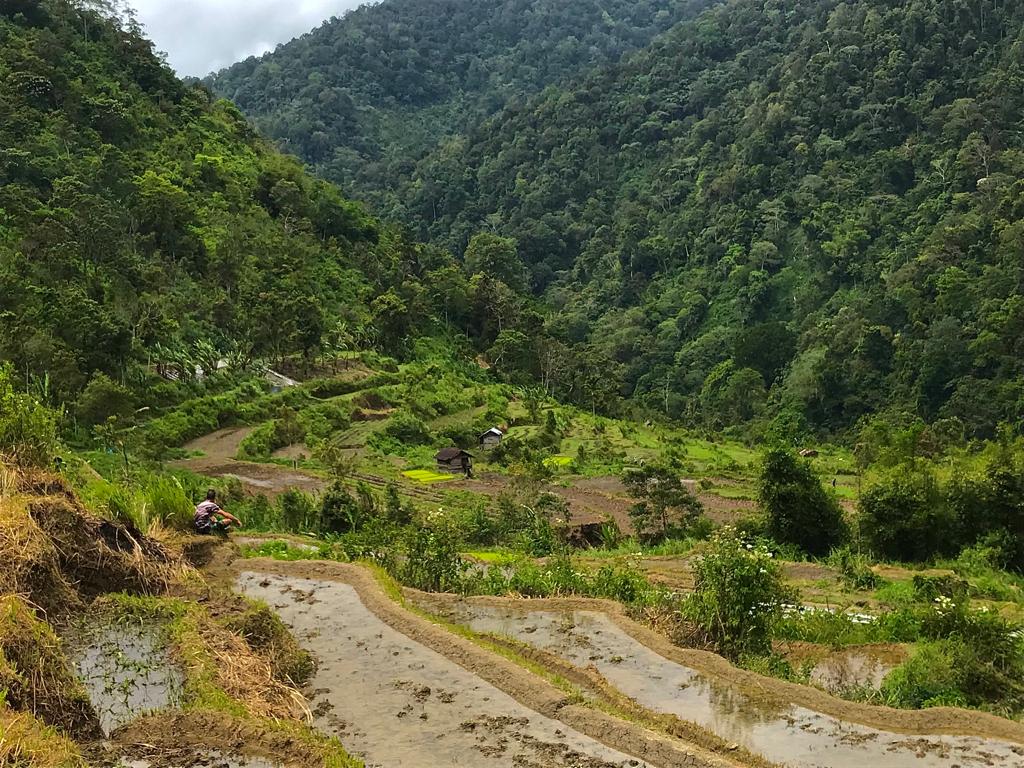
column 167, row 503
column 161, row 501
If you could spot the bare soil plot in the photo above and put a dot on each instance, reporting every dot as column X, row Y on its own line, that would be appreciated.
column 719, row 508
column 780, row 721
column 219, row 449
column 585, row 506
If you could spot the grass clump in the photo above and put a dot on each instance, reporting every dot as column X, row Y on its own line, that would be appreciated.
column 27, row 743
column 34, row 675
column 854, row 569
column 265, row 633
column 28, row 430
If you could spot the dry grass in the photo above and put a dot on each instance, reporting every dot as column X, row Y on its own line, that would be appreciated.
column 248, row 677
column 223, row 673
column 24, row 741
column 55, row 551
column 8, row 482
column 30, row 558
column 34, row 673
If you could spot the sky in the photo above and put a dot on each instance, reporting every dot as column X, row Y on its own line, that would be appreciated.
column 201, row 36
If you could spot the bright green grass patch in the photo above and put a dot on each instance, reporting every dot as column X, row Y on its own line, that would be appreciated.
column 493, row 558
column 736, row 492
column 558, row 462
column 427, row 476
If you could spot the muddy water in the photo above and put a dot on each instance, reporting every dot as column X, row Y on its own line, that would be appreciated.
column 206, row 760
column 792, row 735
column 394, row 702
column 851, row 669
column 126, row 670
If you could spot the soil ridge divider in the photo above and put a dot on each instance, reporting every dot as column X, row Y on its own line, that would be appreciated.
column 936, row 721
column 527, row 688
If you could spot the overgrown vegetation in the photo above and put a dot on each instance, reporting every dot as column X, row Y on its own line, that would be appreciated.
column 772, row 218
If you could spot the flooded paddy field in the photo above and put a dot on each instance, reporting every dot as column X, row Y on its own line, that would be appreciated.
column 395, row 702
column 399, row 690
column 127, row 671
column 781, row 732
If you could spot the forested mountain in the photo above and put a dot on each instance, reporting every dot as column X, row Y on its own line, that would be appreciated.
column 808, row 210
column 363, row 96
column 140, row 221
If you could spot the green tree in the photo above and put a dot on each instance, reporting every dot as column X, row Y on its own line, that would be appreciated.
column 799, row 509
column 102, row 398
column 664, row 506
column 496, row 258
column 904, row 516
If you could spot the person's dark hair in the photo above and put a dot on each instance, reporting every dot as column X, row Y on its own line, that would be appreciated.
column 211, row 495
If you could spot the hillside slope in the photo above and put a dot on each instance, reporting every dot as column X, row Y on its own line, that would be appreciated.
column 142, row 221
column 363, row 95
column 809, row 209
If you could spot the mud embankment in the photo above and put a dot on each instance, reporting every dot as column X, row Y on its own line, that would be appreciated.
column 784, row 723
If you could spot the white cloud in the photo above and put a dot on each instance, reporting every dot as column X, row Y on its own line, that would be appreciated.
column 201, row 36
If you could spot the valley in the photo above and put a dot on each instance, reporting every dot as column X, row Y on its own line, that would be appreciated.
column 514, row 383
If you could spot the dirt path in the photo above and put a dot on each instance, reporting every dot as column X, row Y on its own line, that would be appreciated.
column 221, row 445
column 219, row 449
column 401, row 691
column 783, row 722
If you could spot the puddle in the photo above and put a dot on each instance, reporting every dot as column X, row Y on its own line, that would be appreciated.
column 205, row 760
column 395, row 702
column 851, row 669
column 126, row 670
column 792, row 735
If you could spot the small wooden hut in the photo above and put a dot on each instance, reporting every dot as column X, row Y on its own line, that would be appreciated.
column 455, row 460
column 491, row 438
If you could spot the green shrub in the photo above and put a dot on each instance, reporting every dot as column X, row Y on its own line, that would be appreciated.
column 28, row 430
column 930, row 588
column 930, row 678
column 339, row 511
column 799, row 509
column 321, row 422
column 283, row 431
column 738, row 594
column 904, row 516
column 403, row 430
column 258, row 514
column 988, row 505
column 297, row 511
column 431, row 559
